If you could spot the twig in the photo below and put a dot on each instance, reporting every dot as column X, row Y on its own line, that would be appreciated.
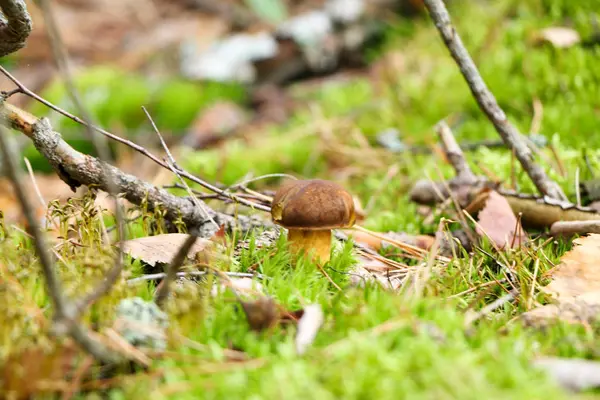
column 455, row 154
column 78, row 169
column 34, row 182
column 140, row 149
column 163, row 291
column 487, row 102
column 499, row 302
column 173, row 167
column 574, row 227
column 15, row 26
column 161, row 275
column 64, row 312
column 101, row 147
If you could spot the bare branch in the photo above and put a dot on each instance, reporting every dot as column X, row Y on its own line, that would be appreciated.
column 163, row 291
column 15, row 27
column 134, row 146
column 173, row 167
column 64, row 311
column 455, row 154
column 100, row 145
column 78, row 169
column 487, row 102
column 575, row 227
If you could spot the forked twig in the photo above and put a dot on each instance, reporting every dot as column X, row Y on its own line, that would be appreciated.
column 173, row 167
column 487, row 102
column 140, row 149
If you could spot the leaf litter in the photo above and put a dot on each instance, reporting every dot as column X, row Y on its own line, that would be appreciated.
column 574, row 286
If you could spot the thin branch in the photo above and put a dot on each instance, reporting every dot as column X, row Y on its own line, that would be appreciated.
column 15, row 27
column 455, row 154
column 173, row 165
column 575, row 227
column 100, row 145
column 163, row 291
column 162, row 275
column 53, row 285
column 493, row 306
column 487, row 102
column 64, row 312
column 78, row 169
column 140, row 149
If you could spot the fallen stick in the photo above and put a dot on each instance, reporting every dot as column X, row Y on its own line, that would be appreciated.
column 487, row 102
column 77, row 169
column 575, row 227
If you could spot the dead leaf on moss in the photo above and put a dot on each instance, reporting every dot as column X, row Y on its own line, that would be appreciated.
column 581, row 309
column 575, row 285
column 498, row 222
column 558, row 36
column 162, row 248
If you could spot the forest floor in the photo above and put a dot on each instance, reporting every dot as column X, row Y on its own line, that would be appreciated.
column 374, row 342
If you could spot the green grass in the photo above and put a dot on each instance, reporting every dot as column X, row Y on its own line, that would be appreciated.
column 428, row 353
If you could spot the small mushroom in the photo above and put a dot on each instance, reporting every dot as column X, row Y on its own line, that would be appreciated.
column 310, row 209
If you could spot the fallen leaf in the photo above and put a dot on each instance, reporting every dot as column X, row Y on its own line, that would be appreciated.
column 559, row 37
column 162, row 248
column 571, row 374
column 580, row 309
column 498, row 222
column 575, row 286
column 308, row 326
column 578, row 272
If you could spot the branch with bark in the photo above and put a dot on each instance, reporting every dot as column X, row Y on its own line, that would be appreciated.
column 487, row 102
column 77, row 169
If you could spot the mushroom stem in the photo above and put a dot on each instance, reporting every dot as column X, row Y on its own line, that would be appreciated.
column 305, row 240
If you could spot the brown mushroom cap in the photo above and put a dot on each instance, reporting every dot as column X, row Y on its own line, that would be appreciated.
column 313, row 204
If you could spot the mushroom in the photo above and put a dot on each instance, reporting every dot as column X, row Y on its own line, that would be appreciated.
column 310, row 209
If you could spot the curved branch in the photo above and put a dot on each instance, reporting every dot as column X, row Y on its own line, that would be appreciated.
column 15, row 26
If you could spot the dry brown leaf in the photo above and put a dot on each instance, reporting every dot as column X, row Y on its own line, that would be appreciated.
column 575, row 285
column 162, row 248
column 581, row 309
column 498, row 222
column 578, row 272
column 559, row 37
